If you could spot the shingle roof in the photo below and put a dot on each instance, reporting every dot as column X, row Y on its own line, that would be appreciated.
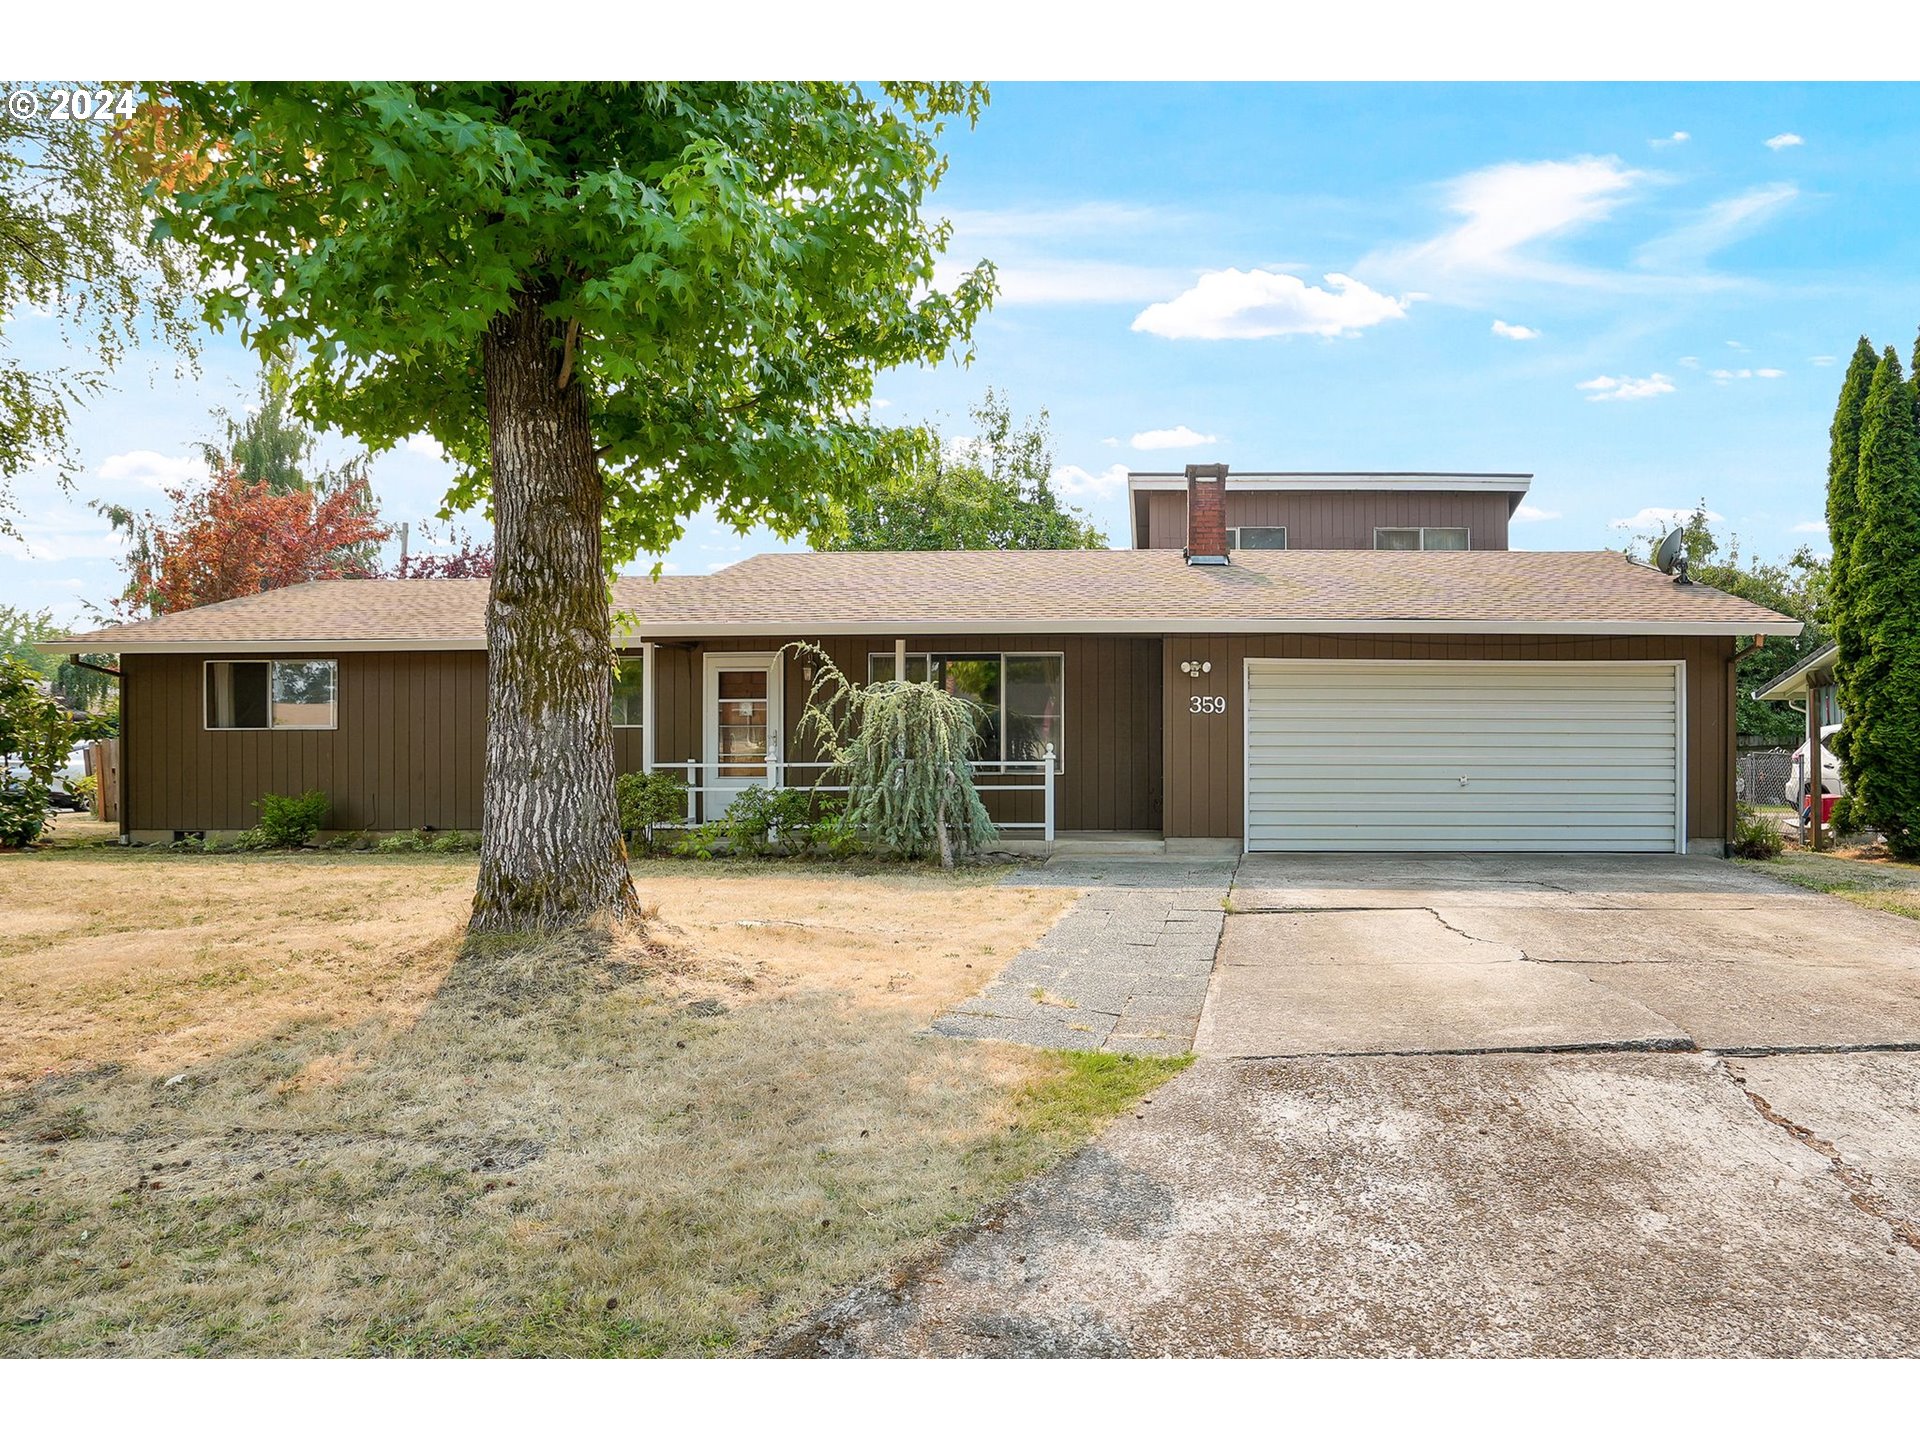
column 1141, row 591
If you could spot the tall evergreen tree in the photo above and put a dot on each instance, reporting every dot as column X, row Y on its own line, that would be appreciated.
column 1883, row 614
column 1843, row 518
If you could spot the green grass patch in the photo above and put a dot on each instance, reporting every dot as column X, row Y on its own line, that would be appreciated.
column 1894, row 889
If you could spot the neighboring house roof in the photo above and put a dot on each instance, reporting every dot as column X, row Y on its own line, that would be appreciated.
column 1515, row 483
column 1816, row 669
column 1010, row 592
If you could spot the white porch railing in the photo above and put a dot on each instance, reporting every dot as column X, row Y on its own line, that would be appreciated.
column 781, row 776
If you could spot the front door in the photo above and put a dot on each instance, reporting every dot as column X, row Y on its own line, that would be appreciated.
column 742, row 726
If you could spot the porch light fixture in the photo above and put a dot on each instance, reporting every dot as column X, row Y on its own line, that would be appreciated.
column 1196, row 667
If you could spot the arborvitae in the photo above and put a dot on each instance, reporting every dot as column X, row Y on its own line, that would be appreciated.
column 1883, row 611
column 1843, row 512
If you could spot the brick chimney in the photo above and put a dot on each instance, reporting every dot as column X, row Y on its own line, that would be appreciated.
column 1206, row 515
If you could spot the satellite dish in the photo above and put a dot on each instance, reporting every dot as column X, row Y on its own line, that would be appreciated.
column 1671, row 557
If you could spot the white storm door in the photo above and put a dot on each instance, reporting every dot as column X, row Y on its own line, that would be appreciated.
column 743, row 722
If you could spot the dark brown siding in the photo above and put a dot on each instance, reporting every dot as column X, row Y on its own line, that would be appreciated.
column 409, row 752
column 1203, row 765
column 1335, row 519
column 406, row 752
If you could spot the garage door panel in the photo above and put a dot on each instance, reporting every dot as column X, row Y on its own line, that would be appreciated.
column 1369, row 756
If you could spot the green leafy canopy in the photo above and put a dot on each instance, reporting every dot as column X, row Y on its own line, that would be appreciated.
column 993, row 491
column 732, row 265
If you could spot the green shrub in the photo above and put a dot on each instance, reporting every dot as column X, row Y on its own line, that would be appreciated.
column 287, row 821
column 771, row 822
column 454, row 842
column 649, row 803
column 1755, row 836
column 1846, row 818
column 407, row 842
column 36, row 734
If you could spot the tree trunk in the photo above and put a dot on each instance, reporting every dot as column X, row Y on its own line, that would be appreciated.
column 551, row 855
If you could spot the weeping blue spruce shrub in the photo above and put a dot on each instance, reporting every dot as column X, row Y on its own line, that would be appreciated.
column 903, row 747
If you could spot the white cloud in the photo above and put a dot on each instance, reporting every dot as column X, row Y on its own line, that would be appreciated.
column 1821, row 359
column 1039, row 258
column 1178, row 438
column 878, row 404
column 1626, row 387
column 1716, row 227
column 1723, row 376
column 1083, row 282
column 1782, row 141
column 1527, row 514
column 1811, row 527
column 150, row 468
column 1254, row 304
column 1692, row 362
column 1112, row 442
column 1655, row 515
column 1679, row 137
column 1507, row 208
column 1769, row 373
column 1074, row 481
column 426, row 445
column 1515, row 332
column 56, row 537
column 1735, row 345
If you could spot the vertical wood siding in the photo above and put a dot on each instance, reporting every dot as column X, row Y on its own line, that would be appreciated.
column 406, row 751
column 409, row 749
column 1336, row 519
column 1202, row 753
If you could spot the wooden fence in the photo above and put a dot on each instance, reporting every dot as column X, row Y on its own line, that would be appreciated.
column 103, row 763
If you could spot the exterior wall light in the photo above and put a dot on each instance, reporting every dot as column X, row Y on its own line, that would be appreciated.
column 1196, row 667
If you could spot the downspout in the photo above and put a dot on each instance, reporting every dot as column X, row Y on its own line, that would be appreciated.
column 1732, row 759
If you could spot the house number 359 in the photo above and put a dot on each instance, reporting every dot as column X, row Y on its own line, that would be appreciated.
column 1207, row 705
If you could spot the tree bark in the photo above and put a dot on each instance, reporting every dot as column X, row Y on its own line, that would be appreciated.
column 551, row 856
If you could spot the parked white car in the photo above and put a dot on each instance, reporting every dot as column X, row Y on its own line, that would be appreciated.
column 1796, row 787
column 64, row 779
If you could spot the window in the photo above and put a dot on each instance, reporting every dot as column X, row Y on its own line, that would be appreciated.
column 1023, row 697
column 629, row 693
column 1424, row 537
column 271, row 694
column 1260, row 537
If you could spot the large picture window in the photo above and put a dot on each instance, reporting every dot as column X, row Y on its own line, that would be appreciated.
column 1023, row 697
column 271, row 694
column 629, row 693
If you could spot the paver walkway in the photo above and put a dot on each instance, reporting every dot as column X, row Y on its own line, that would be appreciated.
column 1126, row 969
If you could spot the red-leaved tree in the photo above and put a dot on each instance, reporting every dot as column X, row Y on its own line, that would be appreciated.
column 228, row 536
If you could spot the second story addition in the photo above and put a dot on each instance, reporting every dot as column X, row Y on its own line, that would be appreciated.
column 1276, row 510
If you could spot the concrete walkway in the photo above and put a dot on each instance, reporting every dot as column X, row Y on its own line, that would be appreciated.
column 1126, row 969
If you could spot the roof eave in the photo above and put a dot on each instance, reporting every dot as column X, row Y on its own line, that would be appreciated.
column 1793, row 684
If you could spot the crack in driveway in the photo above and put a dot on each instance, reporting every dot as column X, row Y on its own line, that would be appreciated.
column 1856, row 1182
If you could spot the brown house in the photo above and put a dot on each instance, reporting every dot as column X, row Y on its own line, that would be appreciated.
column 1283, row 662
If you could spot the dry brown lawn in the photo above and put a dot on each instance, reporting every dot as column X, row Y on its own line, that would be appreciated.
column 267, row 1105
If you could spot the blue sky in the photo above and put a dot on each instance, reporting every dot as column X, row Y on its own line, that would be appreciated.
column 1641, row 293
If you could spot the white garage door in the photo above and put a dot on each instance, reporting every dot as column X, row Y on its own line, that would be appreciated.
column 1472, row 755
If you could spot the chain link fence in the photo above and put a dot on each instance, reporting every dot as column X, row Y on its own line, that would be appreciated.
column 1763, row 776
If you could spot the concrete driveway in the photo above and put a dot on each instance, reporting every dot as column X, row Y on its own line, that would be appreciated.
column 1542, row 1107
column 1342, row 954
